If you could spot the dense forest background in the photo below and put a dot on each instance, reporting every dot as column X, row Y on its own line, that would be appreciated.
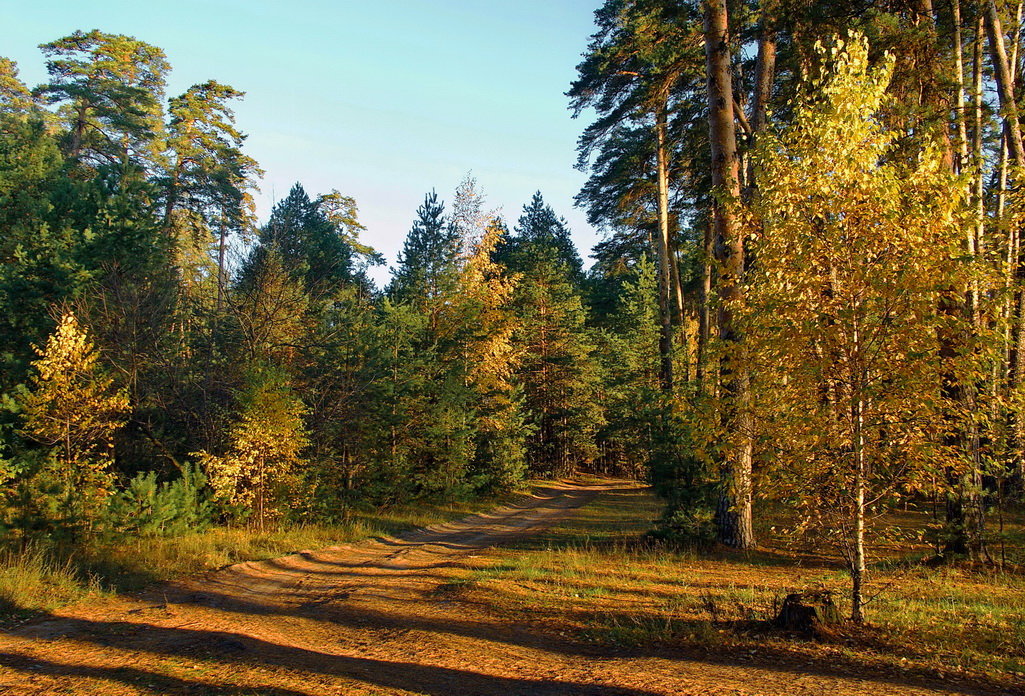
column 810, row 292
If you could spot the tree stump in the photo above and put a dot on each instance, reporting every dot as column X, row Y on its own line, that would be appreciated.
column 808, row 612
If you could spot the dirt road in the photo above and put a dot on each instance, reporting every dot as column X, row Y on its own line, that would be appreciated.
column 367, row 618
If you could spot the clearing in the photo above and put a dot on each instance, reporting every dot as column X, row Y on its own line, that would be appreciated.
column 402, row 615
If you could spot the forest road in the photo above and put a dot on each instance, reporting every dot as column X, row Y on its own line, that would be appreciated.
column 375, row 617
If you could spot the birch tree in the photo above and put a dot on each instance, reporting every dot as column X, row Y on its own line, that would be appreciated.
column 843, row 318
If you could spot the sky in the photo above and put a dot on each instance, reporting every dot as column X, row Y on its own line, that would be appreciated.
column 383, row 100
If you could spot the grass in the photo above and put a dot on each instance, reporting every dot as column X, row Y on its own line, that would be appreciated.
column 594, row 576
column 42, row 579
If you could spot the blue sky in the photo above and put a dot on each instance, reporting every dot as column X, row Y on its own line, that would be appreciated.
column 381, row 100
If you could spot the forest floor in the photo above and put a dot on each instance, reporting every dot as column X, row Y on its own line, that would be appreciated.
column 548, row 595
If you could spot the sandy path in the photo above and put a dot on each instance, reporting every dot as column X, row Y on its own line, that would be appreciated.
column 368, row 618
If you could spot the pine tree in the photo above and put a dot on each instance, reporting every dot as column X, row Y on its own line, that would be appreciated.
column 110, row 88
column 207, row 180
column 343, row 214
column 734, row 516
column 429, row 259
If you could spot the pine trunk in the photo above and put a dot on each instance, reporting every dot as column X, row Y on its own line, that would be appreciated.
column 665, row 282
column 1013, row 137
column 733, row 516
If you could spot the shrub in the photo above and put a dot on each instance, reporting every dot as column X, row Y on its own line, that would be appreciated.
column 147, row 507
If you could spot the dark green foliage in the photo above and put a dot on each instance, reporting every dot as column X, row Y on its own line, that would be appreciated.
column 558, row 372
column 38, row 264
column 39, row 504
column 540, row 231
column 427, row 264
column 629, row 359
column 682, row 478
column 500, row 454
column 309, row 245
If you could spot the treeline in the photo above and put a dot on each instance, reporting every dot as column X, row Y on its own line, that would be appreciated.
column 170, row 363
column 831, row 193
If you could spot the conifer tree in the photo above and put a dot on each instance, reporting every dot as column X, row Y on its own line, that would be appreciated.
column 311, row 247
column 208, row 180
column 539, row 228
column 110, row 89
column 734, row 515
column 429, row 258
column 38, row 264
column 343, row 214
column 438, row 400
column 557, row 372
column 630, row 361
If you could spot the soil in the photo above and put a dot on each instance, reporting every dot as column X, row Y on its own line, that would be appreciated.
column 377, row 617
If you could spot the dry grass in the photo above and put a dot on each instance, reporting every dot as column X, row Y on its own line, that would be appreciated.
column 40, row 579
column 595, row 576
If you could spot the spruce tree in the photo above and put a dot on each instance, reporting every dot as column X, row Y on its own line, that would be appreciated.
column 429, row 258
column 309, row 244
column 557, row 371
column 540, row 229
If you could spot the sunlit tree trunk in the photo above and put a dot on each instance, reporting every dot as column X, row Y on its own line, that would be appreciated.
column 1012, row 135
column 1005, row 82
column 1012, row 242
column 858, row 555
column 705, row 310
column 665, row 281
column 858, row 383
column 734, row 512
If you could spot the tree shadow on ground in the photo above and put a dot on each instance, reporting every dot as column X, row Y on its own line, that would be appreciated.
column 236, row 650
column 226, row 646
column 146, row 681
